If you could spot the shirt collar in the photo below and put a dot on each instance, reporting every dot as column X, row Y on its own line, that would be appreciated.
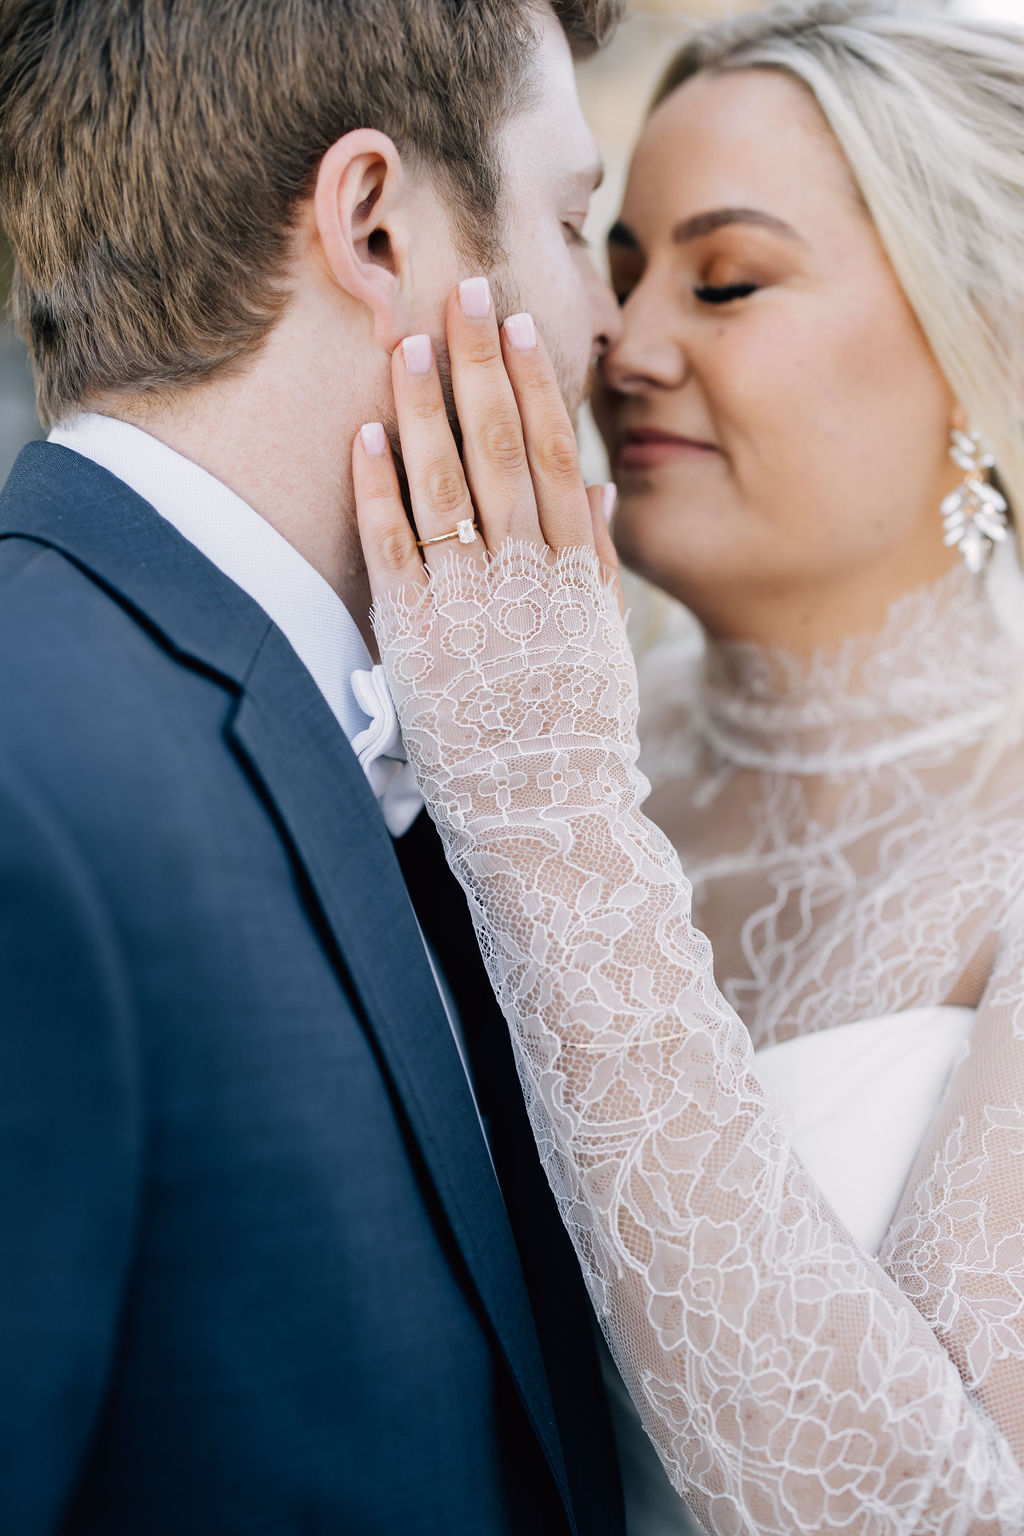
column 244, row 546
column 240, row 543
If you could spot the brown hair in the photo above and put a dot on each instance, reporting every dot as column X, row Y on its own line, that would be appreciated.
column 153, row 152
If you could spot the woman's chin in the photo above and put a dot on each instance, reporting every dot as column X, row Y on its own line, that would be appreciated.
column 658, row 528
column 694, row 559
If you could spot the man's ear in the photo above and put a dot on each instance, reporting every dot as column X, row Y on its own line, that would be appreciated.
column 359, row 205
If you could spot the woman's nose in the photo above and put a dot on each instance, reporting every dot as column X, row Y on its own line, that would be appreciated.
column 646, row 353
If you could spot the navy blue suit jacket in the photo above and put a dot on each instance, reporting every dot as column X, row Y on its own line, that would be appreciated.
column 256, row 1273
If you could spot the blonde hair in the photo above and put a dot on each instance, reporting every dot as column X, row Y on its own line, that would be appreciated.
column 928, row 109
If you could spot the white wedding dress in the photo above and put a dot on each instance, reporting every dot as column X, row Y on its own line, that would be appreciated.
column 792, row 1159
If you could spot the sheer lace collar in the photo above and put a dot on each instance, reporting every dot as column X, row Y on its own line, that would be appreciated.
column 939, row 672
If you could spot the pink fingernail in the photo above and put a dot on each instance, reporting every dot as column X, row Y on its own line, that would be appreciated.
column 521, row 332
column 611, row 497
column 475, row 298
column 419, row 354
column 375, row 440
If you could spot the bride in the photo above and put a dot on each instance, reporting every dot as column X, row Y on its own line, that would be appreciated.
column 791, row 1153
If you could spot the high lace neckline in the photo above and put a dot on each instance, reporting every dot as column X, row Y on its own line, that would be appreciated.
column 939, row 671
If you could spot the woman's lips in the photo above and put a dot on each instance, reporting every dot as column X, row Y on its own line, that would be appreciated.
column 646, row 446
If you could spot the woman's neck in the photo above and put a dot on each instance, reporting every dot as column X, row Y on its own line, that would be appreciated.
column 820, row 612
column 938, row 662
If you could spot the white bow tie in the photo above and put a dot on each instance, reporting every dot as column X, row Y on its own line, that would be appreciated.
column 381, row 753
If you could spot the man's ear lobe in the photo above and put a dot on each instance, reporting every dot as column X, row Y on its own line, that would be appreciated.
column 358, row 195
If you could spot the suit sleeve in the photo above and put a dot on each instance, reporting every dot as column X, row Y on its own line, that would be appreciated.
column 69, row 1159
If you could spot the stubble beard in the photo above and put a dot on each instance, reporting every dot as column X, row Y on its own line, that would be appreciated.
column 574, row 384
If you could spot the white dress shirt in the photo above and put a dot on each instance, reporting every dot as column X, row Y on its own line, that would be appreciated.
column 307, row 610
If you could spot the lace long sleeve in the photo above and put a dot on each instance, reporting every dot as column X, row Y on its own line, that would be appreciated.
column 789, row 1384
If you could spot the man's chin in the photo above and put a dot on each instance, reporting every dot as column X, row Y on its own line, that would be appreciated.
column 575, row 378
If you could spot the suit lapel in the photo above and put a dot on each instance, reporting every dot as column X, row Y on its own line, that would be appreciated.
column 288, row 738
column 318, row 789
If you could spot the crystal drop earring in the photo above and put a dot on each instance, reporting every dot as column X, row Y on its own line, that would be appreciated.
column 974, row 516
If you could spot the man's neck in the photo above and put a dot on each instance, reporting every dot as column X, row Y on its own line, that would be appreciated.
column 279, row 435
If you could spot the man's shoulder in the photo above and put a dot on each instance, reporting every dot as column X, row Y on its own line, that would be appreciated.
column 58, row 618
column 80, row 547
column 88, row 690
column 29, row 565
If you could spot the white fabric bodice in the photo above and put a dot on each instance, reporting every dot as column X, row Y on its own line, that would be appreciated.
column 860, row 1099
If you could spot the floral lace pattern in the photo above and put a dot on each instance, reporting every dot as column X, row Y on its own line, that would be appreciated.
column 789, row 1383
column 819, row 806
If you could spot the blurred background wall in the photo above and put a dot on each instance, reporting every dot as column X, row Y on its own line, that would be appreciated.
column 615, row 88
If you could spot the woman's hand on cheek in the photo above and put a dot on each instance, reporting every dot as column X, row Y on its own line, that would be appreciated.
column 518, row 476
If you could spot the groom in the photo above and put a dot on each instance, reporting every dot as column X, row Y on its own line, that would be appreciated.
column 275, row 1252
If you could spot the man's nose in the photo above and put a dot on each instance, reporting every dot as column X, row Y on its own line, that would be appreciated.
column 606, row 316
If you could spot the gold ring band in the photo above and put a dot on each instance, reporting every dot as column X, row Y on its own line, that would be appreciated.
column 465, row 532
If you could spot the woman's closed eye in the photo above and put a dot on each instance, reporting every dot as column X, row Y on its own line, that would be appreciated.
column 725, row 294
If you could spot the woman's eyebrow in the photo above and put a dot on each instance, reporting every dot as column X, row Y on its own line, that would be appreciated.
column 702, row 224
column 718, row 218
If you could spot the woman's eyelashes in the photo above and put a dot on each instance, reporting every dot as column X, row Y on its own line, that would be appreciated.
column 705, row 293
column 727, row 293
